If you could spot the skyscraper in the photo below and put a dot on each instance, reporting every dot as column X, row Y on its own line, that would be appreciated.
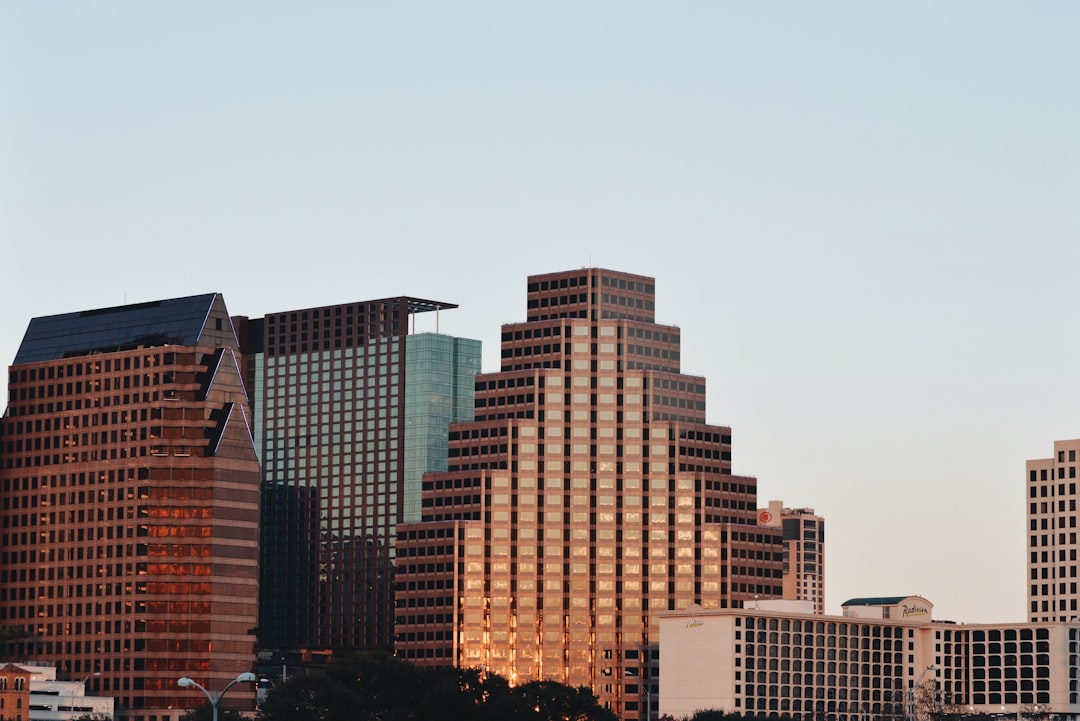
column 588, row 494
column 129, row 491
column 351, row 408
column 804, row 551
column 1052, row 545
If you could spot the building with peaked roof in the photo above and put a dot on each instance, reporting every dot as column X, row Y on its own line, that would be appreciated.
column 129, row 496
column 588, row 494
column 351, row 407
column 884, row 659
column 14, row 693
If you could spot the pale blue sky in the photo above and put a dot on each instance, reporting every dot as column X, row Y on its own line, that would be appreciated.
column 863, row 216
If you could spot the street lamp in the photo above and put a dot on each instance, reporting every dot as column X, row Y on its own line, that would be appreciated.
column 911, row 691
column 215, row 696
column 71, row 696
column 645, row 690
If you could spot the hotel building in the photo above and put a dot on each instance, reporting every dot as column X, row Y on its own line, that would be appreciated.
column 804, row 551
column 1052, row 544
column 588, row 494
column 885, row 658
column 351, row 407
column 129, row 497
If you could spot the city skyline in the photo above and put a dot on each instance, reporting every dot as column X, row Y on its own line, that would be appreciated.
column 880, row 204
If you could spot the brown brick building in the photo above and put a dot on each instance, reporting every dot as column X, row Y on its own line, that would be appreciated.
column 14, row 693
column 129, row 492
column 588, row 494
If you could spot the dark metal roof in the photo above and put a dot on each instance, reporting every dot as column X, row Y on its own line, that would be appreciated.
column 875, row 601
column 178, row 321
column 418, row 305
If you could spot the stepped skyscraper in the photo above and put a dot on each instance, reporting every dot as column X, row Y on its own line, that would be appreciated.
column 588, row 494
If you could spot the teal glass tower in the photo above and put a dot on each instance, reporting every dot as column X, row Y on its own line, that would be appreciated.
column 350, row 409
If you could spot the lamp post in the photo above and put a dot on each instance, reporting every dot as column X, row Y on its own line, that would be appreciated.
column 71, row 696
column 911, row 691
column 644, row 690
column 215, row 696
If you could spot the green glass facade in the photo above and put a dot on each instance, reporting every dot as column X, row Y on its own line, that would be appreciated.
column 440, row 373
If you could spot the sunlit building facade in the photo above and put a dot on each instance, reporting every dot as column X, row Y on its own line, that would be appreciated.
column 588, row 494
column 352, row 406
column 1052, row 544
column 129, row 497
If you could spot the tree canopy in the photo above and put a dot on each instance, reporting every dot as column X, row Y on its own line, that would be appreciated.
column 381, row 687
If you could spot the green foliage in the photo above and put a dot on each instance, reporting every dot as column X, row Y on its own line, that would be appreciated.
column 549, row 701
column 311, row 698
column 381, row 687
column 205, row 712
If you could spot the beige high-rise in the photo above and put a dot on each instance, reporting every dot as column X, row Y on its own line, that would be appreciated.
column 588, row 495
column 1051, row 516
column 804, row 551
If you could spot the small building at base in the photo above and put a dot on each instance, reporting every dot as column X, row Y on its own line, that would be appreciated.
column 53, row 700
column 884, row 659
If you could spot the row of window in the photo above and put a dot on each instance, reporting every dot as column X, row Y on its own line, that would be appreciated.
column 107, row 365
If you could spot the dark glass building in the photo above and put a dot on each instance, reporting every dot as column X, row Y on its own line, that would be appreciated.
column 351, row 408
column 129, row 497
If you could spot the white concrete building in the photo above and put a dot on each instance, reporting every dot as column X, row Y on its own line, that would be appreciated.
column 885, row 658
column 52, row 700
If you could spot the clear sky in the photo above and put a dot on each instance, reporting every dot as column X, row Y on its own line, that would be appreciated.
column 863, row 216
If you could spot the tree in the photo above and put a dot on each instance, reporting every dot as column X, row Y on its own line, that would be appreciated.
column 205, row 712
column 712, row 715
column 929, row 702
column 310, row 698
column 381, row 687
column 549, row 701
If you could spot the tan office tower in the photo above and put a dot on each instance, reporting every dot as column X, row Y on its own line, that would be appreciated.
column 804, row 551
column 129, row 504
column 1051, row 486
column 587, row 495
